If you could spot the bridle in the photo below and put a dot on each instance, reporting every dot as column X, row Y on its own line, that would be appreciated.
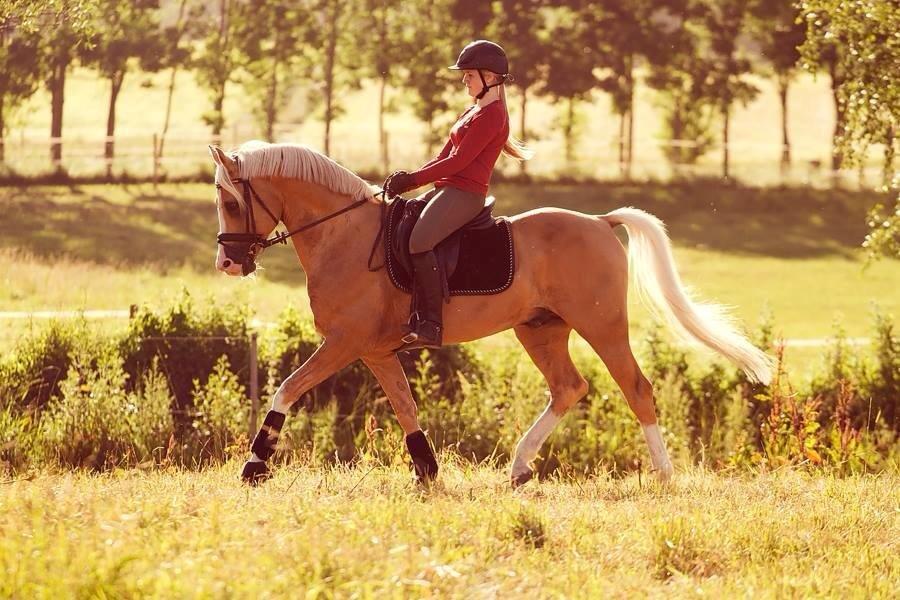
column 243, row 248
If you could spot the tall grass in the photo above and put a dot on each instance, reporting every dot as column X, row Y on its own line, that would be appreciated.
column 158, row 394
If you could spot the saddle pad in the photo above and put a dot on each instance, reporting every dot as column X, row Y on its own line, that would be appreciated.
column 486, row 262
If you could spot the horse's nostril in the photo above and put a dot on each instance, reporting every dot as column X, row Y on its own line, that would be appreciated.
column 226, row 263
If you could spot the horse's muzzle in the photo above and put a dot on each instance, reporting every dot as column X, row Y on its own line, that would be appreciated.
column 242, row 249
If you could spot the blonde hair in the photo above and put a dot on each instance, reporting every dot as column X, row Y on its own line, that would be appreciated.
column 514, row 147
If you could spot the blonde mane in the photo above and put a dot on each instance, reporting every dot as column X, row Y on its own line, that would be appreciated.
column 261, row 159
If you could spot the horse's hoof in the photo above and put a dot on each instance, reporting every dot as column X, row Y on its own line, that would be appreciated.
column 255, row 473
column 521, row 479
column 425, row 470
column 665, row 473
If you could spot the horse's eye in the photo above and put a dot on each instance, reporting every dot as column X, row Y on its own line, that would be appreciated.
column 232, row 207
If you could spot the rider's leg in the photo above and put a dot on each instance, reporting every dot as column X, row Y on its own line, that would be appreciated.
column 448, row 210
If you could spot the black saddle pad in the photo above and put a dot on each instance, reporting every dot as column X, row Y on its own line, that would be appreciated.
column 486, row 261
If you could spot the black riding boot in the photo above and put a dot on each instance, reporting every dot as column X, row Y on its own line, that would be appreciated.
column 427, row 323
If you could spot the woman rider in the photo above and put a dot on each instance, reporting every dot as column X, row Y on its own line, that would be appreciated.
column 461, row 174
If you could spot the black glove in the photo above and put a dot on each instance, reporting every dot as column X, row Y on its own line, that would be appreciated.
column 399, row 182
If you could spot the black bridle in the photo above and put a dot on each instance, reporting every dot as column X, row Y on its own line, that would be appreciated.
column 243, row 248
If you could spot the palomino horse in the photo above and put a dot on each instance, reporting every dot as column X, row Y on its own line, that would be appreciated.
column 571, row 273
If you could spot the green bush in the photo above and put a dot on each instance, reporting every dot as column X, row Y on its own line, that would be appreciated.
column 97, row 424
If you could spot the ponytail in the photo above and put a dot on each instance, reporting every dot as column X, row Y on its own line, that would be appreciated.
column 514, row 147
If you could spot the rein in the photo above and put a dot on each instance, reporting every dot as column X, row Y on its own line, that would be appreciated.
column 249, row 244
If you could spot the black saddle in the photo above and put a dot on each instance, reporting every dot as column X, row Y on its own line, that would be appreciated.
column 477, row 259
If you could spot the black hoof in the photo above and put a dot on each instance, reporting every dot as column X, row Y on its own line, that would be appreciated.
column 255, row 473
column 426, row 471
column 521, row 479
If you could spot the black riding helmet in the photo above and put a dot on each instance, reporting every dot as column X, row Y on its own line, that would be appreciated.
column 483, row 55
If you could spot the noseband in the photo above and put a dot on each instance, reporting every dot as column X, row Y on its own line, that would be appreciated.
column 243, row 248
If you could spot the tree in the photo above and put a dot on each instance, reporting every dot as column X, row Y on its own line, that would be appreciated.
column 866, row 33
column 519, row 30
column 780, row 34
column 683, row 76
column 386, row 48
column 20, row 70
column 216, row 62
column 725, row 21
column 175, row 53
column 569, row 75
column 129, row 30
column 337, row 29
column 66, row 25
column 619, row 34
column 273, row 41
column 437, row 43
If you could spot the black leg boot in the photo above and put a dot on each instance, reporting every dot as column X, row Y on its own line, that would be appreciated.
column 428, row 327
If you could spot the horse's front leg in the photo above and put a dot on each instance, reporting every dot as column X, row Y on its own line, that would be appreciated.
column 325, row 361
column 389, row 372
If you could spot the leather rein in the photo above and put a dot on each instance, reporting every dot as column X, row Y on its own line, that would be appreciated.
column 245, row 247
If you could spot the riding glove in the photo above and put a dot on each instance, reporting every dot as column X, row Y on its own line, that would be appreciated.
column 399, row 182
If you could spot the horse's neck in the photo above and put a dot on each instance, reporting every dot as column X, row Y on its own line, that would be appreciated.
column 348, row 236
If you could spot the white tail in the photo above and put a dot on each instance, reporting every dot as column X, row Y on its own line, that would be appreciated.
column 659, row 286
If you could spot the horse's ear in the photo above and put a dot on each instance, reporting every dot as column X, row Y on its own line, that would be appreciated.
column 220, row 158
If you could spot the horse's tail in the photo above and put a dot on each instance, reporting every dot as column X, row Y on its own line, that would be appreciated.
column 660, row 288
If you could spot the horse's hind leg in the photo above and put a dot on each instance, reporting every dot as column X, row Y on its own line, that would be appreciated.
column 609, row 339
column 548, row 347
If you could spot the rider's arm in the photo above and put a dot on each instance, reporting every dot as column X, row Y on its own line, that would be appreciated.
column 482, row 130
column 444, row 153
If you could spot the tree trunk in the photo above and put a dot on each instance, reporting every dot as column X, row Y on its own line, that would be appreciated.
column 783, row 82
column 726, row 156
column 165, row 129
column 2, row 134
column 567, row 130
column 629, row 157
column 219, row 92
column 271, row 103
column 837, row 79
column 57, row 86
column 523, row 164
column 180, row 29
column 887, row 170
column 622, row 144
column 382, row 134
column 109, row 151
column 330, row 60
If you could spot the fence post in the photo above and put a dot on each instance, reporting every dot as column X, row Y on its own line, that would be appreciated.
column 254, row 386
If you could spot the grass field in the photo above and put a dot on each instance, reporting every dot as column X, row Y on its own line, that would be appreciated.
column 317, row 531
column 793, row 252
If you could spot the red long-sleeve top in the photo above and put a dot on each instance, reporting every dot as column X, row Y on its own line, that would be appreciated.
column 467, row 159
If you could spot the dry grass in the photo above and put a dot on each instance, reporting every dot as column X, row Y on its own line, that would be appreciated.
column 364, row 532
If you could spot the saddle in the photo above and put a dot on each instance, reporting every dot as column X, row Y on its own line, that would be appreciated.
column 477, row 259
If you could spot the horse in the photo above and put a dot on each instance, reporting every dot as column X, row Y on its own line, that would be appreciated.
column 571, row 273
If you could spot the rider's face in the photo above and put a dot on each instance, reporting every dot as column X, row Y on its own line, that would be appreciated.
column 472, row 81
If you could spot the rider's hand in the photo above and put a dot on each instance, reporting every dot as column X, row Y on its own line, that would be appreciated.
column 399, row 182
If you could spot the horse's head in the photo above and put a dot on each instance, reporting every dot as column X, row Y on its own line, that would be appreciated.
column 242, row 231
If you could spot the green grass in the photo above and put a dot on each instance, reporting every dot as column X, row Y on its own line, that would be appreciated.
column 794, row 252
column 319, row 531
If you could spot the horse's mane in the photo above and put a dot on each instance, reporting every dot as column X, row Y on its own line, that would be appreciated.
column 261, row 159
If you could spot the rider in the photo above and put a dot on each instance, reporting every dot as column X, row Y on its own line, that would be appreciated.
column 461, row 174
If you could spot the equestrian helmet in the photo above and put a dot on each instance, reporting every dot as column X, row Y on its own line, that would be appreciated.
column 482, row 54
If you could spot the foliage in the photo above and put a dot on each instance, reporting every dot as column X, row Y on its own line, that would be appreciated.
column 97, row 424
column 869, row 93
column 120, row 403
column 275, row 41
column 217, row 59
column 221, row 412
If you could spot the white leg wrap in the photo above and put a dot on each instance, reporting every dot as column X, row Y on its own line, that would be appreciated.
column 659, row 457
column 531, row 442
